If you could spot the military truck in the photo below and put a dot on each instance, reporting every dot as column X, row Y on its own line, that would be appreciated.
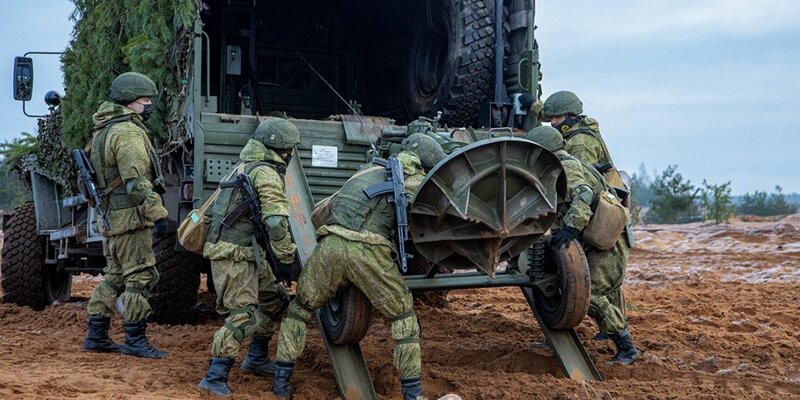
column 346, row 73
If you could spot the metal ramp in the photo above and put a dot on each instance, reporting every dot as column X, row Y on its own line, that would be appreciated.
column 347, row 361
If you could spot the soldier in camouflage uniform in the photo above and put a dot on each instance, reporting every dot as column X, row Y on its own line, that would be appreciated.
column 607, row 268
column 356, row 246
column 563, row 109
column 246, row 285
column 127, row 167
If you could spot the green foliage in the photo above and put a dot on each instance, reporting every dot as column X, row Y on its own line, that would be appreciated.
column 674, row 199
column 13, row 152
column 116, row 36
column 763, row 204
column 717, row 202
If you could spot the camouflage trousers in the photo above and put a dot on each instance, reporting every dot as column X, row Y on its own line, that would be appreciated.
column 607, row 269
column 130, row 274
column 337, row 262
column 253, row 299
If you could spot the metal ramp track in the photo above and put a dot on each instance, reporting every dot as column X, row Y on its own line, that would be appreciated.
column 349, row 368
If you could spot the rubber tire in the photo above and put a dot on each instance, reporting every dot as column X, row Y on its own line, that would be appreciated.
column 27, row 281
column 346, row 319
column 174, row 297
column 568, row 308
column 464, row 80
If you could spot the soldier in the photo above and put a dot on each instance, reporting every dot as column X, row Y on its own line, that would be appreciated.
column 607, row 268
column 129, row 174
column 356, row 246
column 582, row 134
column 245, row 284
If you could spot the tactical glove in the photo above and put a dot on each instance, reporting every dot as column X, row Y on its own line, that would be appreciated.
column 283, row 273
column 160, row 229
column 562, row 237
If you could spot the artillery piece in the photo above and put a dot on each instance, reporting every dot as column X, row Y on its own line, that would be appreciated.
column 483, row 205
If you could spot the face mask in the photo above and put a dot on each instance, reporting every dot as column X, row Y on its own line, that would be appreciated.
column 567, row 123
column 148, row 110
column 288, row 158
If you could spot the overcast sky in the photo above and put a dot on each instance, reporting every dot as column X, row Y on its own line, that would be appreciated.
column 710, row 85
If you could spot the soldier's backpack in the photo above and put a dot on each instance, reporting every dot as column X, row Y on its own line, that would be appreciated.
column 193, row 230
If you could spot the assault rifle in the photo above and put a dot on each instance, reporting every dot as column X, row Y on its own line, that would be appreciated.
column 249, row 206
column 396, row 193
column 92, row 194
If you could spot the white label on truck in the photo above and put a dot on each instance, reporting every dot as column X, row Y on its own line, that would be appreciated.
column 324, row 156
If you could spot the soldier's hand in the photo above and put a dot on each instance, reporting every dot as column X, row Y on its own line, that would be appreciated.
column 562, row 237
column 160, row 229
column 283, row 273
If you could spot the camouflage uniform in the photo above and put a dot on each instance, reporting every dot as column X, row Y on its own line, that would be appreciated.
column 121, row 149
column 240, row 286
column 585, row 143
column 355, row 247
column 606, row 268
column 245, row 282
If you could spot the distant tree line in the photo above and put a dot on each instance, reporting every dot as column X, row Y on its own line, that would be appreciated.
column 12, row 192
column 670, row 198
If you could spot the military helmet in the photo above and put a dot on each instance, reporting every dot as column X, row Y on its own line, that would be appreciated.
column 562, row 103
column 277, row 133
column 428, row 151
column 128, row 87
column 547, row 136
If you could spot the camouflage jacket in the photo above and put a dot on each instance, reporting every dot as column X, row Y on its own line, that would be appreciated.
column 272, row 195
column 121, row 148
column 583, row 187
column 585, row 143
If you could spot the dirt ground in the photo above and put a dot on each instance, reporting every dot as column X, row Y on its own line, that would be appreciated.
column 714, row 309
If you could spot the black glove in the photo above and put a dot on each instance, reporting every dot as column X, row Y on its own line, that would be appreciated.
column 562, row 237
column 160, row 229
column 283, row 273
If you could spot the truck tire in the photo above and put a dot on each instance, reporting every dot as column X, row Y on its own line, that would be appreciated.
column 451, row 67
column 346, row 318
column 567, row 307
column 27, row 281
column 175, row 295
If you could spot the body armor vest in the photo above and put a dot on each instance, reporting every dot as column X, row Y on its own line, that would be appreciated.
column 352, row 209
column 118, row 198
column 242, row 231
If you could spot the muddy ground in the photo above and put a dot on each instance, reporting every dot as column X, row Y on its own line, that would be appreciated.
column 714, row 309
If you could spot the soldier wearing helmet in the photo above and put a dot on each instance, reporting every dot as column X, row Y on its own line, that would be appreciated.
column 355, row 247
column 582, row 134
column 248, row 287
column 129, row 175
column 607, row 268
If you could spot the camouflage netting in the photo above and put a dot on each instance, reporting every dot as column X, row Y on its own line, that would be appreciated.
column 153, row 37
column 115, row 36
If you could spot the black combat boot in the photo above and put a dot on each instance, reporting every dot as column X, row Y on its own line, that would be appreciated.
column 216, row 380
column 412, row 388
column 601, row 336
column 282, row 388
column 97, row 336
column 136, row 343
column 626, row 351
column 256, row 360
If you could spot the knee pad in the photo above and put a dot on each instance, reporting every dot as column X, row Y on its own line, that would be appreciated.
column 247, row 320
